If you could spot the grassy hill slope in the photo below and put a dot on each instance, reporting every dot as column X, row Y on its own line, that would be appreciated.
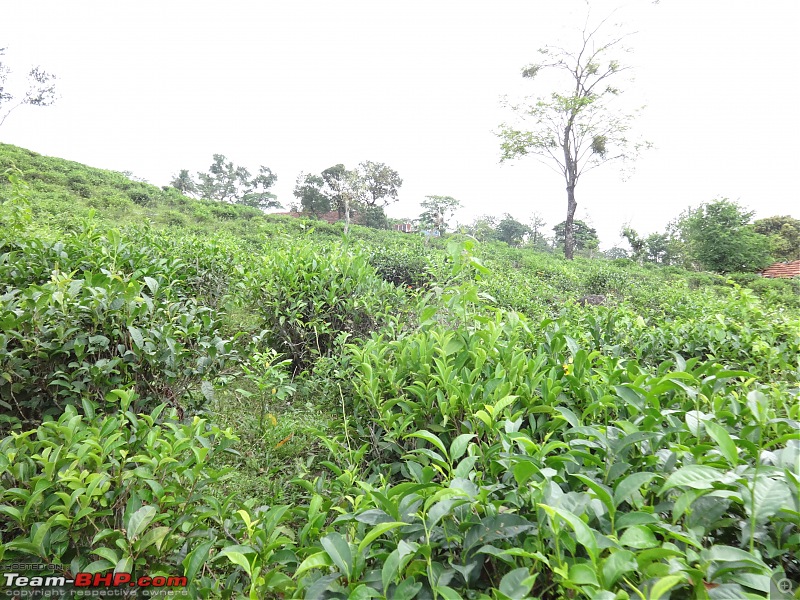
column 275, row 411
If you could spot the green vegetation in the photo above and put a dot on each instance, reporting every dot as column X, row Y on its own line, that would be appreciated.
column 276, row 410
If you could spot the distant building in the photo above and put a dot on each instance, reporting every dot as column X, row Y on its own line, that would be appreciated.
column 405, row 227
column 783, row 270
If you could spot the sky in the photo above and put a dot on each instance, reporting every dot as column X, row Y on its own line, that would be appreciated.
column 152, row 87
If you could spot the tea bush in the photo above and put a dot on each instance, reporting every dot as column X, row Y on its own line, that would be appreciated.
column 90, row 313
column 482, row 436
column 311, row 299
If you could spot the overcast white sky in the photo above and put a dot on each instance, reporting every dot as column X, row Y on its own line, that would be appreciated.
column 152, row 87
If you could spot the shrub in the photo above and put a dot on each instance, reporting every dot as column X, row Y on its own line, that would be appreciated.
column 310, row 299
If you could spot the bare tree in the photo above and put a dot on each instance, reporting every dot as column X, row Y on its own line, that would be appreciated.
column 41, row 90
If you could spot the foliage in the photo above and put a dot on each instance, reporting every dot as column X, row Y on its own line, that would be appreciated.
column 585, row 237
column 89, row 313
column 184, row 183
column 719, row 238
column 309, row 190
column 481, row 435
column 380, row 182
column 437, row 213
column 658, row 248
column 784, row 236
column 511, row 231
column 310, row 300
column 41, row 90
column 93, row 492
column 226, row 182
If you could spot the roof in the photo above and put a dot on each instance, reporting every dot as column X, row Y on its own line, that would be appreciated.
column 783, row 270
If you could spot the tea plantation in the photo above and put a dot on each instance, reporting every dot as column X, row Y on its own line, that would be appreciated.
column 277, row 411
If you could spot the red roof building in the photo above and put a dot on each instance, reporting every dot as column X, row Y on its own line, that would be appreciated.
column 784, row 270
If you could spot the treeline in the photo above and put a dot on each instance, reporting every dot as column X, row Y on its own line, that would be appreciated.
column 716, row 236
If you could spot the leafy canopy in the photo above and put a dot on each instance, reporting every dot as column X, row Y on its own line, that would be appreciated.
column 719, row 237
column 230, row 183
column 438, row 211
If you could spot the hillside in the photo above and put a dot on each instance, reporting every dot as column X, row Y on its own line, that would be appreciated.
column 272, row 410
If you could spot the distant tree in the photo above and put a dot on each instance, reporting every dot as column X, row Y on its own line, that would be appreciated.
column 658, row 248
column 380, row 183
column 226, row 182
column 345, row 190
column 184, row 183
column 257, row 192
column 615, row 252
column 438, row 211
column 309, row 189
column 585, row 237
column 483, row 228
column 375, row 217
column 537, row 239
column 719, row 237
column 576, row 129
column 41, row 90
column 784, row 236
column 636, row 242
column 511, row 231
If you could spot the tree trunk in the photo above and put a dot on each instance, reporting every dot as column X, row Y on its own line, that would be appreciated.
column 346, row 215
column 569, row 231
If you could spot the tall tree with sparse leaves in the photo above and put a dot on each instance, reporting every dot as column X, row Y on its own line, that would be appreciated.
column 576, row 128
column 41, row 90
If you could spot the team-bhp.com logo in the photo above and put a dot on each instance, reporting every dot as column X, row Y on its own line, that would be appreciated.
column 17, row 585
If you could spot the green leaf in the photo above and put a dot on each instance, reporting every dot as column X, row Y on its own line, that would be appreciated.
column 429, row 437
column 339, row 550
column 459, row 445
column 407, row 589
column 583, row 574
column 196, row 559
column 376, row 532
column 767, row 498
column 154, row 536
column 665, row 584
column 639, row 537
column 390, row 569
column 699, row 477
column 616, row 565
column 136, row 336
column 99, row 566
column 152, row 284
column 630, row 484
column 583, row 533
column 108, row 554
column 139, row 521
column 315, row 561
column 600, row 491
column 237, row 558
column 517, row 584
column 726, row 445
